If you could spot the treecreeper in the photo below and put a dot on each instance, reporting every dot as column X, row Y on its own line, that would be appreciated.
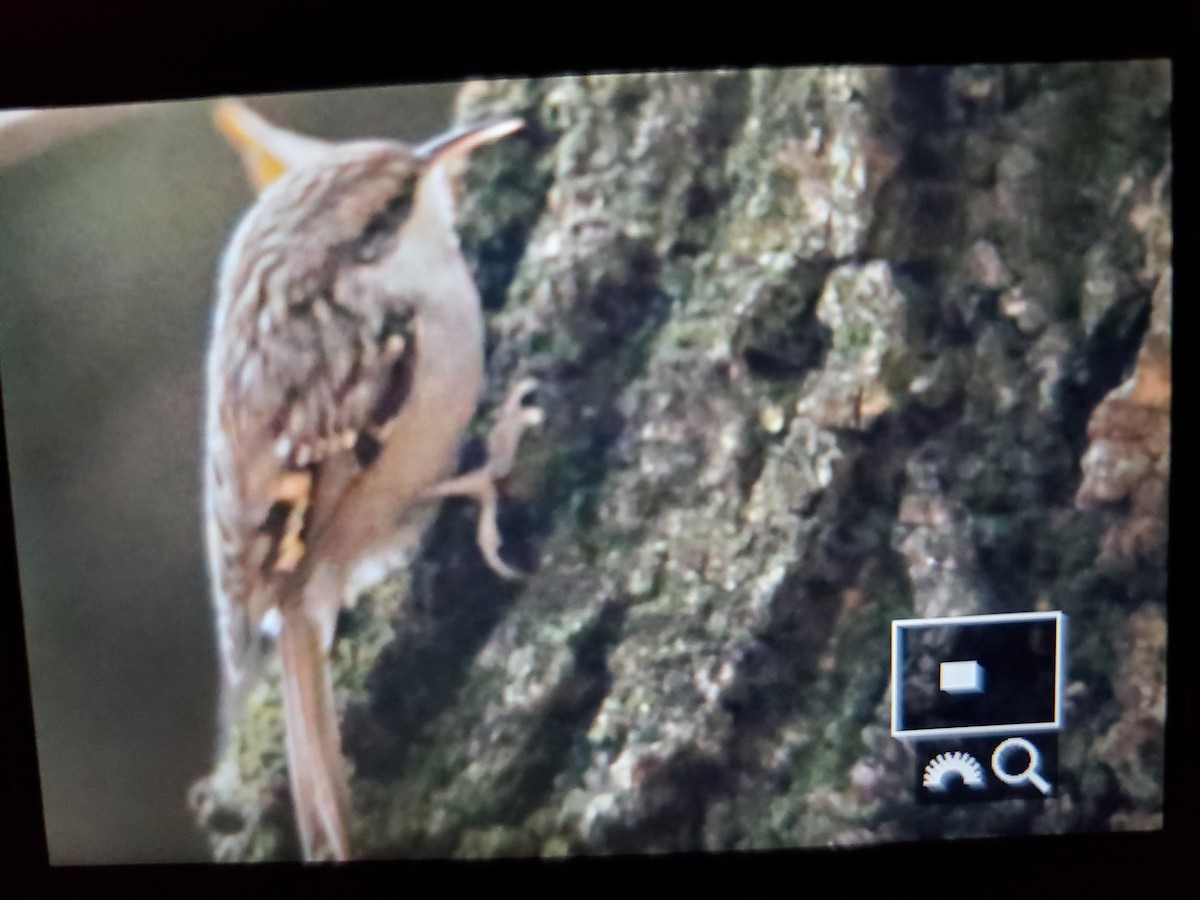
column 346, row 361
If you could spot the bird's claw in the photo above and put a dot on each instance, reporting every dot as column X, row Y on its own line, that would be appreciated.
column 513, row 418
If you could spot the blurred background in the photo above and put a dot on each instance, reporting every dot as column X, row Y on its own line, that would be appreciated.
column 109, row 246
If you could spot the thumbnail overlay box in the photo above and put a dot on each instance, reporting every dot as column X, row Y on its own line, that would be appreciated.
column 978, row 676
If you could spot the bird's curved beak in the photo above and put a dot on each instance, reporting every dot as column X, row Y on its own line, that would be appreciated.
column 267, row 150
column 443, row 159
column 457, row 143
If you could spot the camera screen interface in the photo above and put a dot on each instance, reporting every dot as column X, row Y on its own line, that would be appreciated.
column 603, row 464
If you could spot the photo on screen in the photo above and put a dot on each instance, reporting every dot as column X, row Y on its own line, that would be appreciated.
column 624, row 463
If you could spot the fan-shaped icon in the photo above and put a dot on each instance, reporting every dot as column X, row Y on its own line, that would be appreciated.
column 940, row 772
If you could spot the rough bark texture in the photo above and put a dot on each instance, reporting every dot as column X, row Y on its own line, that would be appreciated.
column 819, row 349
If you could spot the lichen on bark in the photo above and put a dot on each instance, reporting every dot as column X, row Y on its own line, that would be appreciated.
column 817, row 349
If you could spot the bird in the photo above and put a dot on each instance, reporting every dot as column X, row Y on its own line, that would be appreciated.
column 345, row 362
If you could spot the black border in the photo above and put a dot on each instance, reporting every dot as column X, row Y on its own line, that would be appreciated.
column 68, row 53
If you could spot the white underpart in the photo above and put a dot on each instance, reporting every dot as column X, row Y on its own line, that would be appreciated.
column 381, row 563
column 438, row 194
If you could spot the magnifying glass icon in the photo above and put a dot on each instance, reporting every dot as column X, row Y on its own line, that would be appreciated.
column 1002, row 757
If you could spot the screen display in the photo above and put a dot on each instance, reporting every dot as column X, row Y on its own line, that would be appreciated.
column 599, row 464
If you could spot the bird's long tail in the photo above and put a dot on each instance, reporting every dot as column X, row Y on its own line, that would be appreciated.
column 320, row 794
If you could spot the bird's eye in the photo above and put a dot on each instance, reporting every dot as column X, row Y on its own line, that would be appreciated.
column 369, row 246
column 382, row 227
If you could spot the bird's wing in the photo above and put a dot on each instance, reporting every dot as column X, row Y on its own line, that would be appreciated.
column 312, row 403
column 307, row 366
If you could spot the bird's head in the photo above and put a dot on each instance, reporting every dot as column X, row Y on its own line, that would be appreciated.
column 367, row 201
column 269, row 151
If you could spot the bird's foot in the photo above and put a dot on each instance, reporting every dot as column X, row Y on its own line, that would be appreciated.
column 502, row 443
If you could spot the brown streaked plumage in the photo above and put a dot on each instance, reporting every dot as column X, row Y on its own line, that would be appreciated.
column 346, row 359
